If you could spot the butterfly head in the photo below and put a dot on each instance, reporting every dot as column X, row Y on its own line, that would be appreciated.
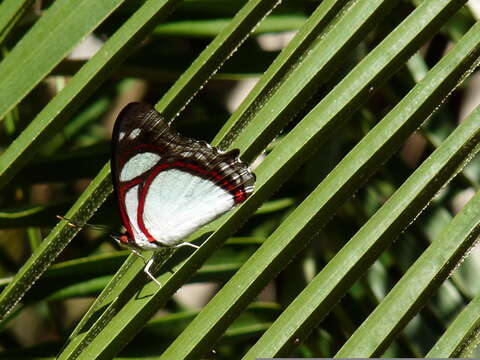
column 122, row 239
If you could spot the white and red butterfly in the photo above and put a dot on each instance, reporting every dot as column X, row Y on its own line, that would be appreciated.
column 168, row 185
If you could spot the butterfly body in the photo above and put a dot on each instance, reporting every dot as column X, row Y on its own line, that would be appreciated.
column 168, row 185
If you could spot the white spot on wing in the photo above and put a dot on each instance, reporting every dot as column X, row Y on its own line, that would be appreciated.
column 224, row 166
column 134, row 133
column 121, row 135
column 178, row 203
column 138, row 164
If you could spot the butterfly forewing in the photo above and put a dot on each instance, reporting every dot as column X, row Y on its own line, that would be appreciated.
column 168, row 185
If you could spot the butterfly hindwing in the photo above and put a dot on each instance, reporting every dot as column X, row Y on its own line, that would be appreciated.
column 168, row 185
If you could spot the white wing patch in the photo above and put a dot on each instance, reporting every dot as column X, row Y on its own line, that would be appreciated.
column 134, row 133
column 138, row 164
column 131, row 206
column 178, row 203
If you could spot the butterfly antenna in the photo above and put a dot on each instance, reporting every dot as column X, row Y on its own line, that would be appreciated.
column 75, row 225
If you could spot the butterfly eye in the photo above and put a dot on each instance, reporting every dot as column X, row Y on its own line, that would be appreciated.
column 121, row 239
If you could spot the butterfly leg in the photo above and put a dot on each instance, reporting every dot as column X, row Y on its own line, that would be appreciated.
column 146, row 269
column 187, row 244
column 148, row 265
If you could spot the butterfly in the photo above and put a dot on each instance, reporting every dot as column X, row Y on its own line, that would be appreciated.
column 168, row 185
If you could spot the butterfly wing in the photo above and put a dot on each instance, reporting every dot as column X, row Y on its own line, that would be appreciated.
column 168, row 185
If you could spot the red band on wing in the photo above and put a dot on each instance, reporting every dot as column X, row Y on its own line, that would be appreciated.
column 122, row 191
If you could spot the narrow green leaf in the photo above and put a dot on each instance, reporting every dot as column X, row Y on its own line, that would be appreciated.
column 34, row 237
column 249, row 325
column 204, row 66
column 305, row 76
column 11, row 123
column 31, row 215
column 23, row 148
column 316, row 300
column 260, row 264
column 54, row 244
column 10, row 12
column 212, row 27
column 293, row 152
column 316, row 24
column 212, row 58
column 424, row 277
column 86, row 288
column 87, row 116
column 80, row 163
column 461, row 336
column 84, row 83
column 60, row 280
column 40, row 51
column 98, row 304
column 275, row 205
